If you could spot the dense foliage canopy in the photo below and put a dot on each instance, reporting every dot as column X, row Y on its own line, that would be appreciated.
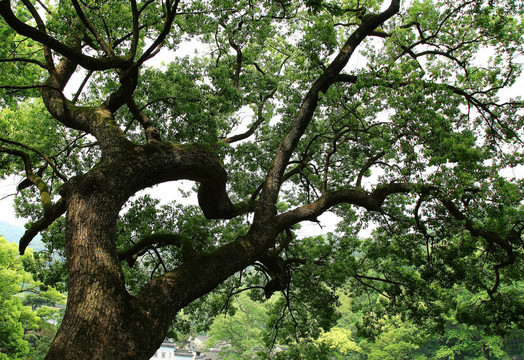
column 244, row 335
column 393, row 113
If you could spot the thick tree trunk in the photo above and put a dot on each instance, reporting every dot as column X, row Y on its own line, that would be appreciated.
column 102, row 320
column 99, row 322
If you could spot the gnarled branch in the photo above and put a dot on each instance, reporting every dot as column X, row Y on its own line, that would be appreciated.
column 53, row 213
column 35, row 179
column 370, row 201
column 148, row 242
column 41, row 154
column 88, row 62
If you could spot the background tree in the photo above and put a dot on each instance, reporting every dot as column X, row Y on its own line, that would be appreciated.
column 277, row 121
column 240, row 334
column 394, row 338
column 25, row 332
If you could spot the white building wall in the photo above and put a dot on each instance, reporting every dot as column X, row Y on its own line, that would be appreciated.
column 167, row 352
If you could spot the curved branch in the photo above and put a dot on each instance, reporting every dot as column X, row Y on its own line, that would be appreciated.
column 35, row 179
column 97, row 121
column 107, row 49
column 373, row 160
column 151, row 131
column 41, row 154
column 238, row 50
column 170, row 18
column 359, row 279
column 254, row 126
column 384, row 280
column 54, row 212
column 215, row 203
column 158, row 161
column 41, row 26
column 482, row 107
column 55, row 101
column 468, row 223
column 25, row 87
column 370, row 201
column 88, row 62
column 147, row 243
column 31, row 61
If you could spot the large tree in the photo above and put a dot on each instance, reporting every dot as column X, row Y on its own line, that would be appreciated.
column 277, row 119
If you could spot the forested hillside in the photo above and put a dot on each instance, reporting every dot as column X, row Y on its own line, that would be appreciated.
column 13, row 233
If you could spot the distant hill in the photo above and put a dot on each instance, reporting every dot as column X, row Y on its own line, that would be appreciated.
column 13, row 233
